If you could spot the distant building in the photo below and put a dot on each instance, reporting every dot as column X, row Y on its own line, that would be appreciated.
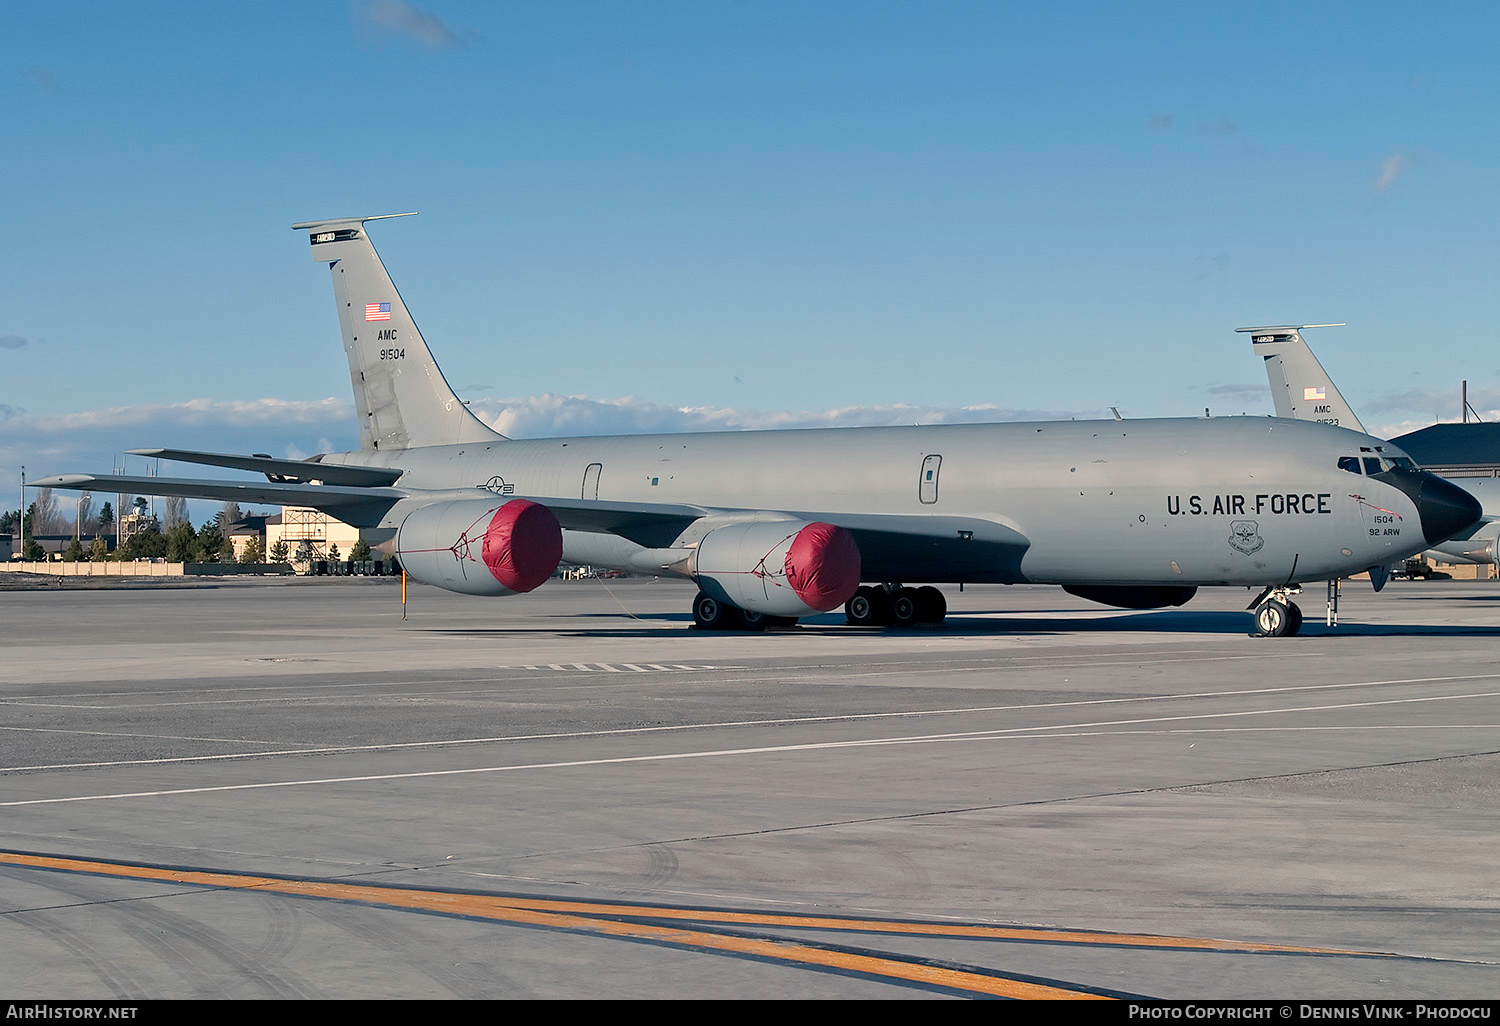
column 1455, row 450
column 309, row 535
column 241, row 532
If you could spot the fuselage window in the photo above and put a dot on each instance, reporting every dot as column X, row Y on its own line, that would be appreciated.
column 1349, row 463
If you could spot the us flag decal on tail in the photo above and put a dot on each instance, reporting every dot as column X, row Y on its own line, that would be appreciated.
column 377, row 311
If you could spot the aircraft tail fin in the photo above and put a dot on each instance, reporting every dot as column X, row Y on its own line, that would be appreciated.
column 399, row 392
column 1300, row 387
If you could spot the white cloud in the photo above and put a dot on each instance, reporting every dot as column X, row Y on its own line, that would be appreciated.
column 1395, row 165
column 411, row 22
column 91, row 441
column 543, row 416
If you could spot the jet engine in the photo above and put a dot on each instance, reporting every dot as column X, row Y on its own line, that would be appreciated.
column 480, row 546
column 780, row 567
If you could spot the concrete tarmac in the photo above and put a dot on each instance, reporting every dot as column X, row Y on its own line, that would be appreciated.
column 280, row 788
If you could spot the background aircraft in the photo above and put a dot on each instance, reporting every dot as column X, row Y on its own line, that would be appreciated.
column 774, row 525
column 1301, row 389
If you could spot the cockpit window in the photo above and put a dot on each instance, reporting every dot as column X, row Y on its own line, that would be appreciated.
column 1404, row 462
column 1349, row 463
column 1372, row 465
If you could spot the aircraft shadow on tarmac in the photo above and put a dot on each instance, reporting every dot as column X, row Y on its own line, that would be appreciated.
column 998, row 623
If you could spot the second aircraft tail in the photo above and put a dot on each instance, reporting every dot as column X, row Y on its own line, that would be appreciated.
column 1300, row 388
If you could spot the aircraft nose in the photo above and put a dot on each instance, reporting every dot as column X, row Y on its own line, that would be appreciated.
column 1445, row 509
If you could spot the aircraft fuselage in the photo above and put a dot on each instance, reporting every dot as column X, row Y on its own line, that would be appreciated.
column 1234, row 500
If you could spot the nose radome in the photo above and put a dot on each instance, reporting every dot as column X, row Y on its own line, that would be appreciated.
column 1445, row 509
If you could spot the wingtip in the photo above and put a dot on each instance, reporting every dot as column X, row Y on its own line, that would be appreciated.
column 61, row 481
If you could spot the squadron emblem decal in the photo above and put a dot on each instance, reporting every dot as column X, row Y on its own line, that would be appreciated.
column 1244, row 535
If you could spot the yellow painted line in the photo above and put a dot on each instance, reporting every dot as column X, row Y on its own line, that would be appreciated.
column 1138, row 940
column 505, row 910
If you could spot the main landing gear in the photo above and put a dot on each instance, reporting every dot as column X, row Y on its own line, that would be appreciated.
column 892, row 605
column 712, row 615
column 1276, row 615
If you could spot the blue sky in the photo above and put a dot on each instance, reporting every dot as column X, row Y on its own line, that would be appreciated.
column 687, row 215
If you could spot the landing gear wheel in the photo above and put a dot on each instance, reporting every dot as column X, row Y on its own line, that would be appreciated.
column 750, row 620
column 1294, row 619
column 1272, row 619
column 870, row 607
column 905, row 608
column 710, row 614
column 931, row 605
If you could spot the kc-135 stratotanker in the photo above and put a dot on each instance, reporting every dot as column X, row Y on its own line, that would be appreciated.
column 776, row 525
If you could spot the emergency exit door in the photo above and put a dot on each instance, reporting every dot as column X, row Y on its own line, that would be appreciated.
column 927, row 487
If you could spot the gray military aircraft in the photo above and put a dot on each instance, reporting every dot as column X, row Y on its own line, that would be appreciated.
column 1302, row 390
column 775, row 525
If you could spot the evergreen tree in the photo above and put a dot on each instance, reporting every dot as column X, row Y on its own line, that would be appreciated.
column 278, row 551
column 333, row 553
column 99, row 550
column 74, row 552
column 210, row 542
column 361, row 552
column 106, row 518
column 182, row 542
column 254, row 552
column 149, row 544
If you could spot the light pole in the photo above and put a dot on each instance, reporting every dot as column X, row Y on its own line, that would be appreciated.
column 21, row 520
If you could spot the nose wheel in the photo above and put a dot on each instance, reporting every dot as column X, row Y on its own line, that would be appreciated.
column 1278, row 616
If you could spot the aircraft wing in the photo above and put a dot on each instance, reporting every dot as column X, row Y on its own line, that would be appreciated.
column 275, row 469
column 894, row 547
column 891, row 546
column 323, row 497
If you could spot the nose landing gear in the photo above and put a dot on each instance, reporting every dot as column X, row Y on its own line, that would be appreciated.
column 1276, row 615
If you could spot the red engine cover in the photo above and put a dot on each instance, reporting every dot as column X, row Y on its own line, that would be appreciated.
column 822, row 565
column 522, row 545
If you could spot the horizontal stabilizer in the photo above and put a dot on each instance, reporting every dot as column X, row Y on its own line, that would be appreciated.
column 322, row 497
column 282, row 471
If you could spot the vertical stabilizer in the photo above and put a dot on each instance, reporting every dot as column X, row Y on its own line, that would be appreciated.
column 399, row 392
column 1300, row 387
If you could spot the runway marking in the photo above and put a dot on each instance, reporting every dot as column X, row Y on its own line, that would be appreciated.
column 631, row 923
column 118, row 733
column 992, row 734
column 1022, row 662
column 607, row 667
column 664, row 924
column 728, row 724
column 977, row 663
